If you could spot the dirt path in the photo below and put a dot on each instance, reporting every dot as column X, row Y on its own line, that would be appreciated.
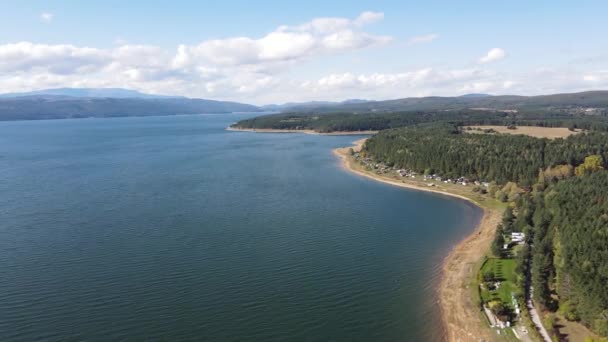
column 536, row 319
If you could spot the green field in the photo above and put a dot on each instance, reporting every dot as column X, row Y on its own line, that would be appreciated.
column 504, row 271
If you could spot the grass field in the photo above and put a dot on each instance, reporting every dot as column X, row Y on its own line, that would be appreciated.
column 537, row 132
column 504, row 271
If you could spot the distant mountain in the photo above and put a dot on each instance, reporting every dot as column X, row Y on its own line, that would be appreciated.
column 300, row 106
column 589, row 99
column 117, row 93
column 46, row 106
column 110, row 102
column 475, row 95
column 350, row 101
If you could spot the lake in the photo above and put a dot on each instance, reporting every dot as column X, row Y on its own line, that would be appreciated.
column 171, row 228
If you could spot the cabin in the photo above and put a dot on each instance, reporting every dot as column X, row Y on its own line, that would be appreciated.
column 518, row 237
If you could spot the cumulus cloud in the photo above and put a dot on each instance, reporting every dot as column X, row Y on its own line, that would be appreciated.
column 493, row 55
column 424, row 77
column 59, row 59
column 320, row 36
column 443, row 82
column 292, row 43
column 257, row 69
column 46, row 17
column 426, row 38
column 228, row 67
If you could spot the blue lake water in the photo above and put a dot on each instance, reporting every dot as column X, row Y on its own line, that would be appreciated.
column 171, row 228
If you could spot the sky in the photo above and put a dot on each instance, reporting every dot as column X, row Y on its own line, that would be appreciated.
column 264, row 52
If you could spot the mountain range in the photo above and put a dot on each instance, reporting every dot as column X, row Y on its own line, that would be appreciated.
column 62, row 103
column 65, row 103
column 588, row 99
column 117, row 93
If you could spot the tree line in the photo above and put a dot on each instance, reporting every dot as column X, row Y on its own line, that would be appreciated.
column 566, row 222
column 451, row 152
column 332, row 122
column 558, row 190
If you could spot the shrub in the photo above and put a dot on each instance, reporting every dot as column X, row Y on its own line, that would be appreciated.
column 488, row 275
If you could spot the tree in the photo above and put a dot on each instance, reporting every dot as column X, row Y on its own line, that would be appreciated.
column 498, row 244
column 488, row 275
column 592, row 164
column 497, row 307
column 501, row 196
column 568, row 311
column 550, row 321
column 492, row 188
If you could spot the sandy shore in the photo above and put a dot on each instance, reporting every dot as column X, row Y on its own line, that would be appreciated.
column 461, row 315
column 305, row 131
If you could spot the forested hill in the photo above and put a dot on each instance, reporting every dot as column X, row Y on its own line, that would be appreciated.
column 567, row 221
column 570, row 101
column 450, row 151
column 378, row 121
column 61, row 107
column 559, row 189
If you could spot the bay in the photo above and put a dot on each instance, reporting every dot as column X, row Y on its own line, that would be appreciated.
column 171, row 228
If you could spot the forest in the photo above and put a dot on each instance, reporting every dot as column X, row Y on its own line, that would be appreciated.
column 567, row 102
column 558, row 195
column 332, row 122
column 566, row 222
column 449, row 151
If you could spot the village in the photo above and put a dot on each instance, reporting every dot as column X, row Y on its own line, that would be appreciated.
column 381, row 168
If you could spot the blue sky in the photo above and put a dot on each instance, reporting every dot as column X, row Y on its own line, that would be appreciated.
column 278, row 51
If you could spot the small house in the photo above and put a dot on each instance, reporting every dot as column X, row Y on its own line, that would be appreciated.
column 518, row 237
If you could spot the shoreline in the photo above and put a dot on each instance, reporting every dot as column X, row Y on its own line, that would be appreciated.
column 460, row 315
column 303, row 131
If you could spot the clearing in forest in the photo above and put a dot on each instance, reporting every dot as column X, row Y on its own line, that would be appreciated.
column 533, row 131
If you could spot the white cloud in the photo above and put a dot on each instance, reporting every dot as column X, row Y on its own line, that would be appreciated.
column 258, row 69
column 321, row 36
column 493, row 55
column 408, row 79
column 508, row 84
column 597, row 77
column 368, row 17
column 46, row 17
column 426, row 38
column 478, row 87
column 292, row 43
column 418, row 82
column 222, row 67
column 58, row 59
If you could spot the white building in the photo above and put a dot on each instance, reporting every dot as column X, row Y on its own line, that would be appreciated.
column 518, row 237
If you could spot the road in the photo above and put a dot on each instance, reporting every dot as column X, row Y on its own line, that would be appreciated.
column 536, row 319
